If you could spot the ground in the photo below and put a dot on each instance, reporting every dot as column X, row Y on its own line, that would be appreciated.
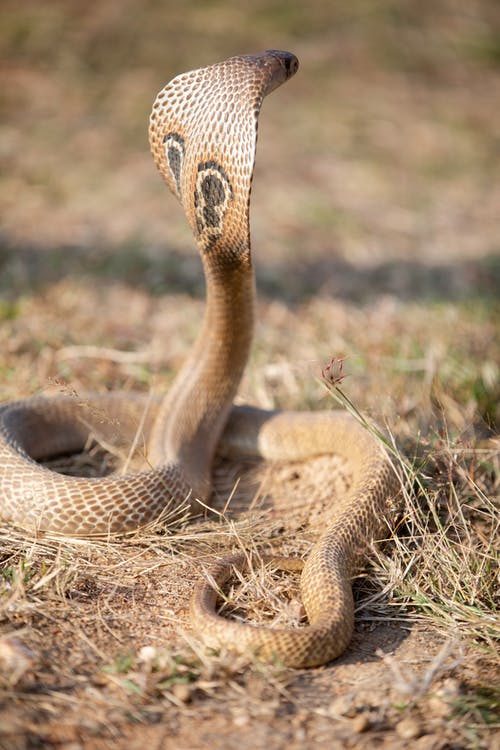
column 375, row 239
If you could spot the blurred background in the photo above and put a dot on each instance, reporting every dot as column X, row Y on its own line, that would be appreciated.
column 377, row 167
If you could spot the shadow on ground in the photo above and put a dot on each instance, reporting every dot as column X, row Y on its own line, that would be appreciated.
column 167, row 271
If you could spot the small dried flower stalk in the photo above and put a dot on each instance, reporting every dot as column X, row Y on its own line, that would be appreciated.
column 332, row 373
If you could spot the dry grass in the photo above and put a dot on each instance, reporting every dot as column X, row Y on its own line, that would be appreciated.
column 375, row 233
column 440, row 572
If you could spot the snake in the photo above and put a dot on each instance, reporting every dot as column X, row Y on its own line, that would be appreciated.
column 203, row 134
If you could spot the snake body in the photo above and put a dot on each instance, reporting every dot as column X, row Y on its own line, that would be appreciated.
column 203, row 133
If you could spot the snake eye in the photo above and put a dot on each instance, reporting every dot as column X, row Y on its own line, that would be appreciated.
column 291, row 65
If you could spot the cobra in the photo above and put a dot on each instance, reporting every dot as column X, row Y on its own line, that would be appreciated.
column 203, row 134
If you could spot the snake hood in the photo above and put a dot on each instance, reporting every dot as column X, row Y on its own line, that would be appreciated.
column 203, row 135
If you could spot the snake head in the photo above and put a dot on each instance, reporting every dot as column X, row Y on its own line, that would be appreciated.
column 203, row 135
column 278, row 67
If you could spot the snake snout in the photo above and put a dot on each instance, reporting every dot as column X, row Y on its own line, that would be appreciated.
column 283, row 65
column 289, row 61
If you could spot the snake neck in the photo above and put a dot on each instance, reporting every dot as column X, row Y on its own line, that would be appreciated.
column 193, row 414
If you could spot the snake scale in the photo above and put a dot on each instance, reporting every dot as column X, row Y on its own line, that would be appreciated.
column 203, row 134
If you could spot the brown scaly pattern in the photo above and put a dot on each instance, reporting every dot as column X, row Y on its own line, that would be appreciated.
column 203, row 134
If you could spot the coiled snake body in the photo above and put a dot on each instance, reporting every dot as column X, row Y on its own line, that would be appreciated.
column 203, row 132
